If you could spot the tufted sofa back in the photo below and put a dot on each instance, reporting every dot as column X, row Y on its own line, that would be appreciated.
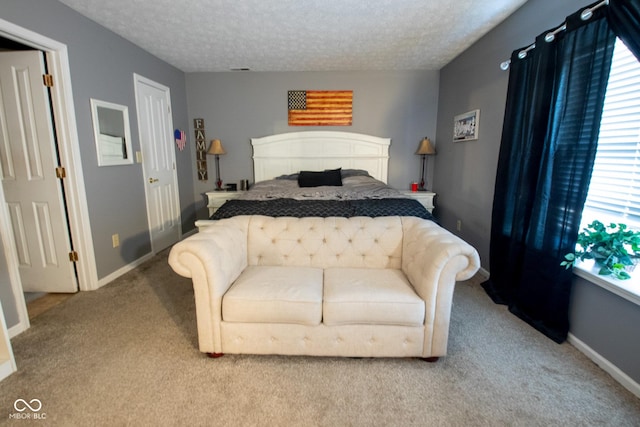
column 359, row 242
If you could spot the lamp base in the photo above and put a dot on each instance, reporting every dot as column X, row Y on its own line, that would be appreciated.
column 218, row 179
column 421, row 186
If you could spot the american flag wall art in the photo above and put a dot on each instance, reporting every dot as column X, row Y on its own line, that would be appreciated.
column 320, row 107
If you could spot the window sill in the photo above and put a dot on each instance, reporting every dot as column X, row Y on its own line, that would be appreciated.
column 627, row 289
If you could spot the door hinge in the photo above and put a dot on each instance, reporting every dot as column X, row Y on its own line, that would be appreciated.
column 47, row 80
column 73, row 256
column 61, row 172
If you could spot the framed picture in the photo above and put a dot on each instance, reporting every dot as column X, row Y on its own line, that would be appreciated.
column 465, row 126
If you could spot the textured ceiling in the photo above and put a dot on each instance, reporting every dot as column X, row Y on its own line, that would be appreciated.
column 300, row 35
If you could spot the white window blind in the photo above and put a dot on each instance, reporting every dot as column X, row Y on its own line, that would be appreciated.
column 614, row 191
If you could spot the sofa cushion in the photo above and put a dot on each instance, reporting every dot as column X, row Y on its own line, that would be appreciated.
column 370, row 296
column 270, row 294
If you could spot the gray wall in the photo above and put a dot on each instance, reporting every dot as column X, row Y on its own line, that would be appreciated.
column 237, row 106
column 102, row 66
column 608, row 324
column 465, row 172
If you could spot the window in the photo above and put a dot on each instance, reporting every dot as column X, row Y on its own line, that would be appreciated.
column 614, row 191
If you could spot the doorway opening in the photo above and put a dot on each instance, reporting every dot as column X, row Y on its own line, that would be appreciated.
column 34, row 195
column 63, row 123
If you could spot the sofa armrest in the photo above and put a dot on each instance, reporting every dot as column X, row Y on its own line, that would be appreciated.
column 213, row 259
column 433, row 259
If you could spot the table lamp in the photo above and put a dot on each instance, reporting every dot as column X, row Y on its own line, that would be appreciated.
column 425, row 149
column 217, row 149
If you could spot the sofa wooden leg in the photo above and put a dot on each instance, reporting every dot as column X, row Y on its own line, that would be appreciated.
column 430, row 359
column 215, row 355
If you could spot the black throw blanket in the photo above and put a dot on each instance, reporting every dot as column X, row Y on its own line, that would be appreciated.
column 323, row 208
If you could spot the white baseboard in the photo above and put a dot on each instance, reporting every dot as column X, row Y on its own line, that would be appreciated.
column 17, row 329
column 606, row 366
column 7, row 367
column 127, row 268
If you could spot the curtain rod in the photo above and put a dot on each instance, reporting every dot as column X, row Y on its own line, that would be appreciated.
column 586, row 14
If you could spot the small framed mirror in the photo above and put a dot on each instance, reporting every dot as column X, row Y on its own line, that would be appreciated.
column 112, row 133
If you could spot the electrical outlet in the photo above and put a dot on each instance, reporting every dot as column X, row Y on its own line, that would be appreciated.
column 115, row 239
column 459, row 225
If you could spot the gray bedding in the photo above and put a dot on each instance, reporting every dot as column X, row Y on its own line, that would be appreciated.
column 353, row 188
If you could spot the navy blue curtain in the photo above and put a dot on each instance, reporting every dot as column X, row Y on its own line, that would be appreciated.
column 549, row 141
column 624, row 19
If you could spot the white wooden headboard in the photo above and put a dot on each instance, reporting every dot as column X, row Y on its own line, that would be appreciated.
column 288, row 153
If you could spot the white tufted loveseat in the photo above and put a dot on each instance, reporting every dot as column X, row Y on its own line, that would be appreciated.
column 358, row 287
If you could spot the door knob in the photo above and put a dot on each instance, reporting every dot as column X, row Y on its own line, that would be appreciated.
column 152, row 180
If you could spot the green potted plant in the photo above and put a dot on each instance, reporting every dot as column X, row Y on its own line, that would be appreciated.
column 613, row 248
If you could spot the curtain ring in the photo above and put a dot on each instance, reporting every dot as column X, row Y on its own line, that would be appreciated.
column 586, row 14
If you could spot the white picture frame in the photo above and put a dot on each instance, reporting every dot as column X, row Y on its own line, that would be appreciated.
column 465, row 126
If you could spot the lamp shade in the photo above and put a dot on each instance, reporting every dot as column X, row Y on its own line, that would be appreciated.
column 426, row 147
column 216, row 147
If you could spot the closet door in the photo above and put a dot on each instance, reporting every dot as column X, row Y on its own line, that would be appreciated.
column 30, row 178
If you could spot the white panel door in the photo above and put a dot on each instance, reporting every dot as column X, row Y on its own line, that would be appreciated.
column 158, row 159
column 28, row 163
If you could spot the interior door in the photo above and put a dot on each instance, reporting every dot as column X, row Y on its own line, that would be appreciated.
column 28, row 162
column 153, row 105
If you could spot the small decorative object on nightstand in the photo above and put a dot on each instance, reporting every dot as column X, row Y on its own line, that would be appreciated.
column 425, row 149
column 217, row 149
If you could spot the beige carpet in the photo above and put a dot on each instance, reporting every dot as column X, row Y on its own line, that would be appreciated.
column 127, row 355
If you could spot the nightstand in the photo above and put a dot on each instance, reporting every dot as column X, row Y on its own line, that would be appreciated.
column 215, row 199
column 427, row 198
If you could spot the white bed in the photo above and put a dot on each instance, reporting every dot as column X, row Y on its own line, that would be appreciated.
column 289, row 153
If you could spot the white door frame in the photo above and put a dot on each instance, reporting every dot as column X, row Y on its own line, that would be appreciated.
column 138, row 79
column 69, row 147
